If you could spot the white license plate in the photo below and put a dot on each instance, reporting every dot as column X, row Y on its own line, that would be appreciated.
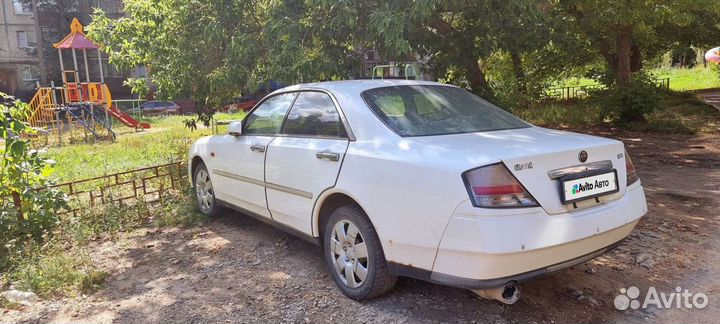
column 590, row 186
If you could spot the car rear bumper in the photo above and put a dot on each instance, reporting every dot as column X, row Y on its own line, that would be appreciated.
column 483, row 250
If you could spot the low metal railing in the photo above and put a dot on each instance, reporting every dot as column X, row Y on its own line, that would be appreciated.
column 578, row 92
column 148, row 184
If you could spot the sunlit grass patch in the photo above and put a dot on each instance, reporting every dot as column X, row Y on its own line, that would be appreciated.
column 166, row 141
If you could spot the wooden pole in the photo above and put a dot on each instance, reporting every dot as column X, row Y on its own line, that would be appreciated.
column 62, row 65
column 102, row 75
column 59, row 127
column 87, row 68
column 75, row 62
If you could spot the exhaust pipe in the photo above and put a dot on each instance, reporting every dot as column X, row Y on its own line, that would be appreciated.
column 508, row 293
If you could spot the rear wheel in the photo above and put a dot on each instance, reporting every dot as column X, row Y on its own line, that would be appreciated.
column 354, row 255
column 204, row 191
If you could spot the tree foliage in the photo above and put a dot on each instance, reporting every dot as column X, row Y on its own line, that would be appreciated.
column 214, row 50
column 622, row 32
column 28, row 206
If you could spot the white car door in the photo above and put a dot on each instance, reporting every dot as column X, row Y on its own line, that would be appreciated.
column 305, row 159
column 241, row 167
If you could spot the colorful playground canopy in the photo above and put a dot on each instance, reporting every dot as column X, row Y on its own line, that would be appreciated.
column 76, row 39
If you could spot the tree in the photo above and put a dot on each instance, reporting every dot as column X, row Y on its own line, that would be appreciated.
column 214, row 50
column 621, row 31
column 458, row 37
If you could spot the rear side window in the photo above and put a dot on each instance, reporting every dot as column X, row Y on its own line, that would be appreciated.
column 421, row 110
column 314, row 114
column 268, row 117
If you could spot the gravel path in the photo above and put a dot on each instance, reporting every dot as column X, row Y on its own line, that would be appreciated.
column 711, row 98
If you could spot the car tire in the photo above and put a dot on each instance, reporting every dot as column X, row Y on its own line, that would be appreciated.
column 204, row 191
column 354, row 255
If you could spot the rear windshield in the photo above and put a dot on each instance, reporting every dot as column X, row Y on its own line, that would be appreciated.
column 422, row 110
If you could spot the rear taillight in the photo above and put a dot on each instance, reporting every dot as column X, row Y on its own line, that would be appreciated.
column 630, row 170
column 495, row 186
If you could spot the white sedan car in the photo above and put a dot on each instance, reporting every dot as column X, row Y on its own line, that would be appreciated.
column 422, row 180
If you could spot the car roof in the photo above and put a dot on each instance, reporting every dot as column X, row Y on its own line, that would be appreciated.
column 356, row 85
column 160, row 101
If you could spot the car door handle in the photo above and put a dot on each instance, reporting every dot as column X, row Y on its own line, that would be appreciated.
column 258, row 148
column 328, row 155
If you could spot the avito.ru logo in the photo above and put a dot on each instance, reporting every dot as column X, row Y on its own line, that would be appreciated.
column 680, row 298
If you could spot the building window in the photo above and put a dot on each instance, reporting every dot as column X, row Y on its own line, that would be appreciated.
column 72, row 5
column 107, row 6
column 47, row 6
column 29, row 73
column 25, row 39
column 22, row 7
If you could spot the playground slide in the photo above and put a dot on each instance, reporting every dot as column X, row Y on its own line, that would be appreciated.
column 126, row 119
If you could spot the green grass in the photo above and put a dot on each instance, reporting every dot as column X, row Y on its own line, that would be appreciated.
column 166, row 141
column 690, row 79
column 62, row 266
column 683, row 113
column 680, row 112
column 53, row 269
column 680, row 79
column 561, row 114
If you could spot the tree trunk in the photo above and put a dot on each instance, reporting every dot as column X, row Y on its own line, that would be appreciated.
column 622, row 47
column 635, row 58
column 18, row 205
column 518, row 70
column 476, row 79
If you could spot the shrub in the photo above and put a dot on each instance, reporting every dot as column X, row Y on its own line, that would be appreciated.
column 513, row 91
column 629, row 103
column 28, row 206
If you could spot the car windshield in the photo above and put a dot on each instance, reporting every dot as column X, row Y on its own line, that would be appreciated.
column 421, row 110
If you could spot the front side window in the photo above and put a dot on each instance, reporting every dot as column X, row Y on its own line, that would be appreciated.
column 422, row 110
column 268, row 117
column 314, row 114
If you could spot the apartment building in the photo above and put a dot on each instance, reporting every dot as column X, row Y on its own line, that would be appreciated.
column 26, row 51
column 54, row 20
column 20, row 58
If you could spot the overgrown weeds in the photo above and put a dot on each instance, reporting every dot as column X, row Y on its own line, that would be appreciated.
column 45, row 250
column 61, row 265
column 676, row 113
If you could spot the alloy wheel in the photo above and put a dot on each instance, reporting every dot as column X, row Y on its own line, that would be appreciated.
column 349, row 253
column 204, row 191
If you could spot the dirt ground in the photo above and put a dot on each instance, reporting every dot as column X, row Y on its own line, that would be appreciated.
column 236, row 269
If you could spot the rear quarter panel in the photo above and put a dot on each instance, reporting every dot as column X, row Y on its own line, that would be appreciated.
column 408, row 196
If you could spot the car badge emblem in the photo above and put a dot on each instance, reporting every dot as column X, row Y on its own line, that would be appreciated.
column 583, row 156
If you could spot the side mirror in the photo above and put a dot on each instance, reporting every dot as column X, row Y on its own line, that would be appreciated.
column 235, row 128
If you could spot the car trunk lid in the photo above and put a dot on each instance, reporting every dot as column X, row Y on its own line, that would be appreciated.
column 538, row 157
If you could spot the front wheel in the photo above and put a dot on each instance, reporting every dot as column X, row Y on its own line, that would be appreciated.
column 204, row 191
column 354, row 255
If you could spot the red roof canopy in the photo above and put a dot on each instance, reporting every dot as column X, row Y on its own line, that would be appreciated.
column 76, row 39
